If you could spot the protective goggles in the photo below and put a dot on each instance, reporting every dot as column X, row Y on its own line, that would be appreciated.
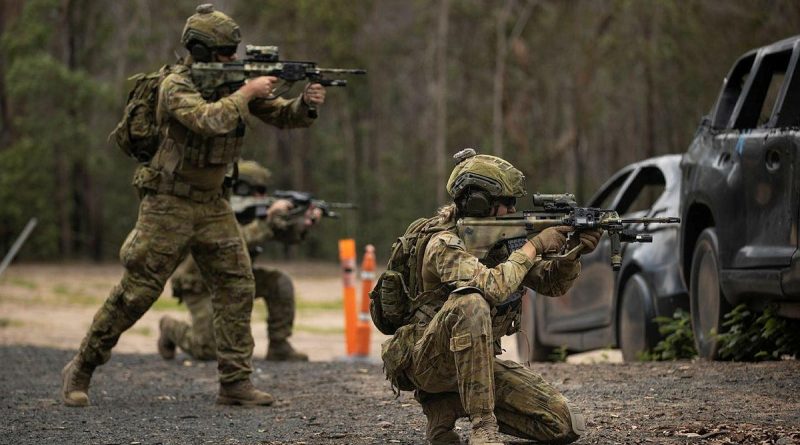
column 226, row 51
column 508, row 201
column 242, row 188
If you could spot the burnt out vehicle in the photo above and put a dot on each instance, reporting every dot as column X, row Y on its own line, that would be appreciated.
column 740, row 194
column 605, row 308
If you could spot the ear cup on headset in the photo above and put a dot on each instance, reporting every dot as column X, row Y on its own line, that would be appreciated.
column 200, row 52
column 475, row 202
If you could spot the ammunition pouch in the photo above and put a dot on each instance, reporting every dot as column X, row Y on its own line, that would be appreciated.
column 388, row 303
column 201, row 151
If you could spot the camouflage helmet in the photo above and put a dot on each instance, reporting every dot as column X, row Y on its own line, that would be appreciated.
column 211, row 28
column 490, row 173
column 254, row 173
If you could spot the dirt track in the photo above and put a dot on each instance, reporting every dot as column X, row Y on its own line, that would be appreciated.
column 140, row 399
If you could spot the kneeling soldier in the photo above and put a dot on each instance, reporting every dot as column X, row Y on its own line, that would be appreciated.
column 274, row 286
column 446, row 351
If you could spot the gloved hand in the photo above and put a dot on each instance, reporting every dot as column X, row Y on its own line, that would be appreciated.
column 589, row 239
column 551, row 239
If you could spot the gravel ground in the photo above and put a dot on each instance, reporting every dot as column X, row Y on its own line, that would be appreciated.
column 140, row 399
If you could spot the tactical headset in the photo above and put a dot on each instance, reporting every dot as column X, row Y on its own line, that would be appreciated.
column 476, row 194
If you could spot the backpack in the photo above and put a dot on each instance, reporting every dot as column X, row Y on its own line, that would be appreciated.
column 136, row 133
column 394, row 297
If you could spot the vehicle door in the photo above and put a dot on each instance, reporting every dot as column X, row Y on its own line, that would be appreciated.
column 585, row 305
column 760, row 228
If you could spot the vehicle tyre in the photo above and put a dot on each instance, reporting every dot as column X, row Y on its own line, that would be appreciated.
column 637, row 332
column 708, row 304
column 528, row 346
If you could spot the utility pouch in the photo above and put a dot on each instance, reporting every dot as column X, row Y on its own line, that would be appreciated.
column 394, row 296
column 396, row 356
column 146, row 178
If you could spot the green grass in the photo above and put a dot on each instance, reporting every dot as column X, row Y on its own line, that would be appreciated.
column 328, row 305
column 318, row 329
column 167, row 303
column 143, row 331
column 22, row 282
column 64, row 294
column 8, row 323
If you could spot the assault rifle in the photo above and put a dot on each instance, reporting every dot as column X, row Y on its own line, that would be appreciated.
column 265, row 61
column 248, row 208
column 483, row 236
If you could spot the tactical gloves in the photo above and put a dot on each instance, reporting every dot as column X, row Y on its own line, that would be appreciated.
column 551, row 239
column 589, row 239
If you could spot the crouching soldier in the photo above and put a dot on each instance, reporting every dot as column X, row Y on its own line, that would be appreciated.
column 279, row 223
column 448, row 328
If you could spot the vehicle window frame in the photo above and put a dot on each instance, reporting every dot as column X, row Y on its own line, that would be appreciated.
column 619, row 182
column 751, row 101
column 628, row 198
column 787, row 106
column 735, row 83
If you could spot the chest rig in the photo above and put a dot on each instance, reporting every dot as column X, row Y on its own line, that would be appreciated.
column 200, row 151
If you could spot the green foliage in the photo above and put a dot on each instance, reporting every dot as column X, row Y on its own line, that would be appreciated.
column 678, row 342
column 631, row 74
column 52, row 123
column 754, row 336
column 559, row 354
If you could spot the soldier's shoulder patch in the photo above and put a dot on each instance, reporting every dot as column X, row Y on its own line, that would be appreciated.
column 451, row 240
column 177, row 80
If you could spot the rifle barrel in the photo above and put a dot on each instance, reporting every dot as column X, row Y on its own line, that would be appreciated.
column 665, row 220
column 342, row 70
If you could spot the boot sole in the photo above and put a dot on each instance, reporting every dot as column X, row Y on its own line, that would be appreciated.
column 230, row 401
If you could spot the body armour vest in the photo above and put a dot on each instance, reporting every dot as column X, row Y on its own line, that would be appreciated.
column 195, row 149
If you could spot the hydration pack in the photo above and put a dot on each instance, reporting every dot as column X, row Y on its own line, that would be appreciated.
column 392, row 301
column 136, row 133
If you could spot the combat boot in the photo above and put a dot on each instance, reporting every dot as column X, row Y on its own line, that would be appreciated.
column 243, row 393
column 485, row 430
column 282, row 351
column 75, row 384
column 442, row 411
column 166, row 347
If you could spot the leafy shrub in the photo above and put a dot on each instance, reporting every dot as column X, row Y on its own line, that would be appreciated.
column 559, row 354
column 753, row 336
column 678, row 342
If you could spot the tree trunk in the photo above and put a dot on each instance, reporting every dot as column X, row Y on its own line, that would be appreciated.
column 440, row 100
column 501, row 52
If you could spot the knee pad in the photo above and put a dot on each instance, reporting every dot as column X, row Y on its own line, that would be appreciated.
column 577, row 420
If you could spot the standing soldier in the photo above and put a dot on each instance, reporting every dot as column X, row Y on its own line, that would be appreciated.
column 274, row 286
column 183, row 210
column 446, row 352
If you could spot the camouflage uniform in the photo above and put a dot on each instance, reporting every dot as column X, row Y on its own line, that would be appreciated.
column 446, row 353
column 183, row 210
column 274, row 286
column 454, row 352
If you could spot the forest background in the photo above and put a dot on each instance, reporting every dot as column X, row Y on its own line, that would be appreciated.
column 568, row 91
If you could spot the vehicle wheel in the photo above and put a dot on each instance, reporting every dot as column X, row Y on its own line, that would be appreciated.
column 635, row 326
column 528, row 346
column 708, row 304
